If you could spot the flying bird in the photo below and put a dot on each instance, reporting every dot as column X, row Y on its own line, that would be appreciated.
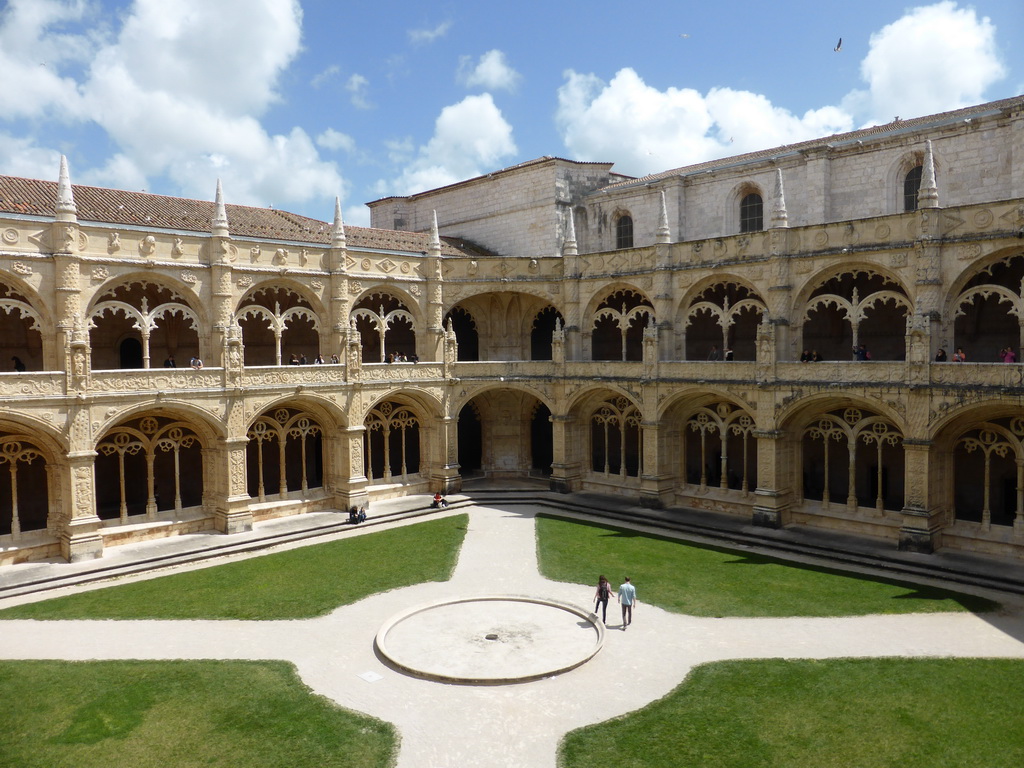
column 839, row 46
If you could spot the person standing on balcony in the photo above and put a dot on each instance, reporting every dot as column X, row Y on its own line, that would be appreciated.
column 169, row 362
column 18, row 365
column 713, row 354
column 959, row 356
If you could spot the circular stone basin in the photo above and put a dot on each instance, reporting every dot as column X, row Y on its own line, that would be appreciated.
column 490, row 640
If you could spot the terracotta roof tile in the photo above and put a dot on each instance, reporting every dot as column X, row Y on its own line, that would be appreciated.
column 118, row 207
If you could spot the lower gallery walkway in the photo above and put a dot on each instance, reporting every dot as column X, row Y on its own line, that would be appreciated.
column 520, row 724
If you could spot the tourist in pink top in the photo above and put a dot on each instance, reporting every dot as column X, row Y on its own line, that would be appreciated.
column 1009, row 356
column 959, row 356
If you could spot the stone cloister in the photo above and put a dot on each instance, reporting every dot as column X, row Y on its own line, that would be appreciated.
column 668, row 372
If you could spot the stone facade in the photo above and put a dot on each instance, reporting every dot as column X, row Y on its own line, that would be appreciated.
column 640, row 337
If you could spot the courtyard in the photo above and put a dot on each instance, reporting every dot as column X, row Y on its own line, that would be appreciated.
column 730, row 659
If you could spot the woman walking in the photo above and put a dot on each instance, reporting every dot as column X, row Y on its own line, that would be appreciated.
column 604, row 591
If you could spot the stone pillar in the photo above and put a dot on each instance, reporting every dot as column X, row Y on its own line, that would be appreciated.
column 350, row 481
column 566, row 475
column 340, row 308
column 223, row 317
column 774, row 496
column 80, row 535
column 920, row 530
column 231, row 507
column 69, row 307
column 657, row 487
column 445, row 477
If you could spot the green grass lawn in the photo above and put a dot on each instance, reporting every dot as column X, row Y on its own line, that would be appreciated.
column 178, row 714
column 863, row 713
column 708, row 581
column 296, row 584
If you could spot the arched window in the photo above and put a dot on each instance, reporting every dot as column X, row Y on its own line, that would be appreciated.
column 285, row 453
column 751, row 213
column 615, row 446
column 624, row 232
column 911, row 185
column 147, row 465
column 854, row 458
column 392, row 443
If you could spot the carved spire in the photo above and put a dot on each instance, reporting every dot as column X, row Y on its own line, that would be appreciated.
column 435, row 236
column 664, row 234
column 338, row 232
column 928, row 192
column 66, row 209
column 780, row 218
column 220, row 217
column 569, row 245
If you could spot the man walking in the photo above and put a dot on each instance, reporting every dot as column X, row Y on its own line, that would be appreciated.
column 627, row 599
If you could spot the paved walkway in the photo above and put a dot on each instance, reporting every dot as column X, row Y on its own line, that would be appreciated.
column 444, row 725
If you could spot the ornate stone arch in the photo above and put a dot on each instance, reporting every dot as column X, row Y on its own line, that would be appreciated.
column 722, row 304
column 26, row 327
column 984, row 307
column 153, row 310
column 279, row 314
column 147, row 463
column 617, row 322
column 834, row 308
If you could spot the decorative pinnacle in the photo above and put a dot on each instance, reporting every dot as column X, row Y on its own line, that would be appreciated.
column 664, row 234
column 569, row 245
column 219, row 226
column 435, row 236
column 66, row 209
column 928, row 192
column 780, row 219
column 338, row 232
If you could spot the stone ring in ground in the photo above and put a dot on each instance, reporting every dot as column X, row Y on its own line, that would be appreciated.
column 490, row 640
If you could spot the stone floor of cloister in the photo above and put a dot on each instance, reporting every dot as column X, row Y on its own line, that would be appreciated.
column 443, row 724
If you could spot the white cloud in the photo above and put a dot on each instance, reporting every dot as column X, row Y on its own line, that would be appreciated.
column 934, row 58
column 33, row 53
column 357, row 85
column 180, row 49
column 335, row 140
column 323, row 77
column 119, row 172
column 491, row 72
column 178, row 101
column 431, row 34
column 469, row 137
column 21, row 157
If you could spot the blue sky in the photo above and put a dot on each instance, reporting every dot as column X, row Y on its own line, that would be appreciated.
column 291, row 102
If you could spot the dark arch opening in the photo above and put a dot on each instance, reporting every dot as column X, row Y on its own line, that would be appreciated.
column 471, row 442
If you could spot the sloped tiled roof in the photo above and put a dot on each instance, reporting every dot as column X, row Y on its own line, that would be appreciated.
column 838, row 138
column 37, row 197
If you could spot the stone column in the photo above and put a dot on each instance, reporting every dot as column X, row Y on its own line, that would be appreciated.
column 566, row 474
column 774, row 496
column 350, row 484
column 231, row 507
column 920, row 530
column 69, row 307
column 80, row 535
column 445, row 476
column 223, row 316
column 657, row 486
